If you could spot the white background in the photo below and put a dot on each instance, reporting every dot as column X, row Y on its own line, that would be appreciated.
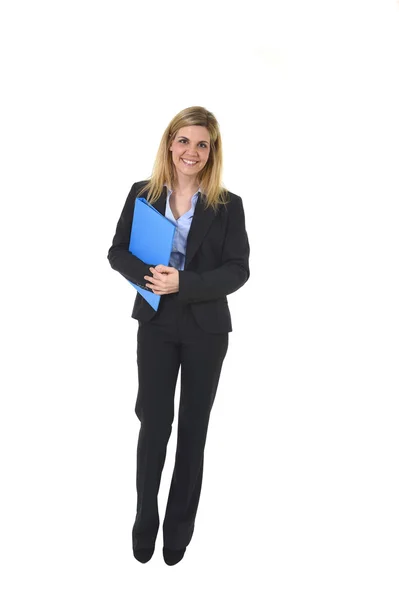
column 300, row 488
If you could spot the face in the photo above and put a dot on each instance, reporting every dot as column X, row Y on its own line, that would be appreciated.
column 191, row 144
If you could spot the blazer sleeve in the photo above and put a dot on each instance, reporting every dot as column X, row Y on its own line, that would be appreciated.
column 119, row 256
column 234, row 270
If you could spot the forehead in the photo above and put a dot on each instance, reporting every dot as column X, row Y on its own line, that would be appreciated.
column 194, row 132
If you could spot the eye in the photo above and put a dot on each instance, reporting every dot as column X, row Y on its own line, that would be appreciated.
column 202, row 144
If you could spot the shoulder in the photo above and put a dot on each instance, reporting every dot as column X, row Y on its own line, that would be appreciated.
column 142, row 183
column 233, row 203
column 137, row 185
column 234, row 197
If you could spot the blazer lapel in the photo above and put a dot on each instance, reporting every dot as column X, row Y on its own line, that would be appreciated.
column 160, row 204
column 200, row 222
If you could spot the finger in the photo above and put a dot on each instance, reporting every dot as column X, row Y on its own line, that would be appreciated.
column 154, row 287
column 157, row 275
column 164, row 269
column 153, row 280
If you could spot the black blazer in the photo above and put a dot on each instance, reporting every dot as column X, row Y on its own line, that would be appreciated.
column 217, row 259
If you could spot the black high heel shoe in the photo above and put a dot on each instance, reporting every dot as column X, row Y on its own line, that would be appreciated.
column 171, row 557
column 143, row 554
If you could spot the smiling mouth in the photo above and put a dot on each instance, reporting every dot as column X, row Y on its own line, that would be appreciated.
column 189, row 163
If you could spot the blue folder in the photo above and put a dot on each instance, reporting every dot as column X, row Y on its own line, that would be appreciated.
column 151, row 240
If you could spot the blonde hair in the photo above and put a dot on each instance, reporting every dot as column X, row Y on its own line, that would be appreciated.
column 210, row 176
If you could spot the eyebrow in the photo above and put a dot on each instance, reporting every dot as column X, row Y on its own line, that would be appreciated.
column 186, row 138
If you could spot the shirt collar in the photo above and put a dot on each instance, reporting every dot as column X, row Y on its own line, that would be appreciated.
column 170, row 191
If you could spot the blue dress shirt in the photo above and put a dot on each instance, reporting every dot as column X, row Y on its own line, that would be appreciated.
column 183, row 224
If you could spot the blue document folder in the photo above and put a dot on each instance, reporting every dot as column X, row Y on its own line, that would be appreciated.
column 151, row 240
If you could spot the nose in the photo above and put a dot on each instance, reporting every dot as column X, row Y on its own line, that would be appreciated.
column 191, row 151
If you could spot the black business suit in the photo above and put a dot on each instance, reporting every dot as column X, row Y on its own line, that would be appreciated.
column 189, row 330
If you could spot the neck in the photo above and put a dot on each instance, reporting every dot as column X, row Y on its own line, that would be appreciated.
column 185, row 185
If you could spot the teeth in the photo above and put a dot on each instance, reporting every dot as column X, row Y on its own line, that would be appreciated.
column 189, row 162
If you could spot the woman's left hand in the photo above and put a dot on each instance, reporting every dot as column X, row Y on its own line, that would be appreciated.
column 164, row 280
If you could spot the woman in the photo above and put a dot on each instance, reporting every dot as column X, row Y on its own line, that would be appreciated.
column 190, row 329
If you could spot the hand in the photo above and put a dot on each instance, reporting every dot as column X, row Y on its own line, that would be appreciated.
column 164, row 280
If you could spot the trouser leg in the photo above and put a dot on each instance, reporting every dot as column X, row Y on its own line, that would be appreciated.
column 202, row 356
column 158, row 360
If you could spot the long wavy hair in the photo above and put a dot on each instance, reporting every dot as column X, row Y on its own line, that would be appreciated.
column 211, row 175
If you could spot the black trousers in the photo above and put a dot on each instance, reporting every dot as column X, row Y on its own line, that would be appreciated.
column 172, row 339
